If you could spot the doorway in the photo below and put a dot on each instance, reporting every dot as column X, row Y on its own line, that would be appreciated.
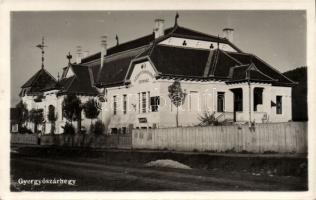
column 238, row 101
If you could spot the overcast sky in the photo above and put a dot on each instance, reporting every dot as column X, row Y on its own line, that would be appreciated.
column 278, row 37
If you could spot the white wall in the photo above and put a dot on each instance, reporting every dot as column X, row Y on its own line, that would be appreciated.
column 201, row 97
column 142, row 80
column 286, row 93
column 198, row 44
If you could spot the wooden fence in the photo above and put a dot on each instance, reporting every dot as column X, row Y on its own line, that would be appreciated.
column 290, row 137
column 102, row 141
column 17, row 138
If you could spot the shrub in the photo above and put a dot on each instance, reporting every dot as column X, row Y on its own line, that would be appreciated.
column 25, row 130
column 208, row 119
column 98, row 128
column 69, row 129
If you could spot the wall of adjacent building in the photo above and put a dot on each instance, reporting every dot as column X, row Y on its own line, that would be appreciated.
column 52, row 99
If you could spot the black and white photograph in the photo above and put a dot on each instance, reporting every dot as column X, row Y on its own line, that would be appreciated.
column 163, row 100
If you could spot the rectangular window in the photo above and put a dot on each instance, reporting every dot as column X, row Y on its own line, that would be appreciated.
column 124, row 130
column 238, row 100
column 148, row 99
column 138, row 102
column 257, row 98
column 114, row 105
column 154, row 103
column 220, row 101
column 144, row 102
column 114, row 131
column 124, row 104
column 194, row 101
column 278, row 104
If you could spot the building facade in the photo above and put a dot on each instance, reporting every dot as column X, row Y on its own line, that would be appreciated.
column 131, row 81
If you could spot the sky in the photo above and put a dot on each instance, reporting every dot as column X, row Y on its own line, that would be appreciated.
column 278, row 37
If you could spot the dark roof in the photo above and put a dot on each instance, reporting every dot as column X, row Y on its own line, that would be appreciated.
column 145, row 40
column 40, row 80
column 221, row 64
column 122, row 47
column 115, row 67
column 248, row 72
column 179, row 61
column 80, row 83
column 261, row 66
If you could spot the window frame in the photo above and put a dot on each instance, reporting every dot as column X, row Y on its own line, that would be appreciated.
column 124, row 104
column 279, row 105
column 144, row 102
column 114, row 105
column 256, row 100
column 222, row 94
column 154, row 103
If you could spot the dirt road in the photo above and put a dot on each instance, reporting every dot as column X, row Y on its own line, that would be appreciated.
column 96, row 175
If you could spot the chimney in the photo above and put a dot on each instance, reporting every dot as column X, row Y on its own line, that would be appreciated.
column 79, row 54
column 228, row 33
column 159, row 28
column 103, row 48
column 85, row 53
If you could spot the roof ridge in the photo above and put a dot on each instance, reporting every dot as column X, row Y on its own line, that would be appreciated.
column 273, row 68
column 261, row 71
column 202, row 32
column 212, row 70
column 91, row 78
column 231, row 57
column 50, row 74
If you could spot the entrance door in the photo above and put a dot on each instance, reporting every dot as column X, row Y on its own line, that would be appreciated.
column 238, row 101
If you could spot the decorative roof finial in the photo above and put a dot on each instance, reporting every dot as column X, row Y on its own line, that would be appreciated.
column 42, row 46
column 176, row 19
column 58, row 77
column 69, row 57
column 218, row 41
column 117, row 40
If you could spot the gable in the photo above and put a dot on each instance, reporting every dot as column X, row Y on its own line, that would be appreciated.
column 115, row 67
column 69, row 73
column 142, row 72
column 80, row 83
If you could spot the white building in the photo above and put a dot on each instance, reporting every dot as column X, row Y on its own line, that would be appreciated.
column 133, row 79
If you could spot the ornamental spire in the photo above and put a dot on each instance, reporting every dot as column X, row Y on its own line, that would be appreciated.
column 176, row 19
column 69, row 57
column 42, row 46
column 117, row 40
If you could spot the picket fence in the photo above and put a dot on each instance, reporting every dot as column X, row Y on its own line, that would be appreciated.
column 289, row 137
column 17, row 138
column 92, row 141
